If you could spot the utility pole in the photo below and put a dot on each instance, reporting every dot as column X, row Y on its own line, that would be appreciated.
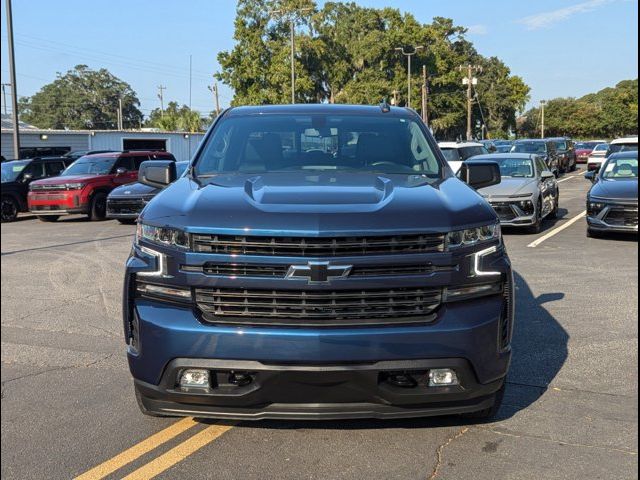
column 542, row 104
column 120, row 122
column 409, row 54
column 214, row 89
column 4, row 96
column 292, row 16
column 161, row 97
column 12, row 75
column 469, row 80
column 425, row 93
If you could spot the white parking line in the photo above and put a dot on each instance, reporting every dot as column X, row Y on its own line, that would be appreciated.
column 556, row 231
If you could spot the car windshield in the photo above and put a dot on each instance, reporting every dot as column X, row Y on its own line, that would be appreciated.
column 318, row 143
column 621, row 168
column 601, row 147
column 451, row 154
column 11, row 170
column 90, row 166
column 622, row 147
column 560, row 145
column 503, row 148
column 586, row 145
column 530, row 147
column 515, row 167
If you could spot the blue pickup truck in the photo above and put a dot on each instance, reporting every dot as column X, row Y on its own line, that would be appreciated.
column 318, row 262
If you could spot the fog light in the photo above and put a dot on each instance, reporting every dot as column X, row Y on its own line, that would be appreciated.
column 442, row 376
column 194, row 377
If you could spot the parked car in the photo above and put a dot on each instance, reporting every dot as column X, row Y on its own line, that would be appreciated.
column 83, row 187
column 503, row 146
column 16, row 177
column 76, row 154
column 597, row 157
column 125, row 202
column 544, row 148
column 612, row 202
column 584, row 149
column 318, row 281
column 528, row 193
column 566, row 152
column 457, row 152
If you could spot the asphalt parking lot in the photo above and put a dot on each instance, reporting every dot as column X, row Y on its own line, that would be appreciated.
column 68, row 407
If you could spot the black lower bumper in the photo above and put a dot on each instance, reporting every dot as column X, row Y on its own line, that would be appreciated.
column 318, row 392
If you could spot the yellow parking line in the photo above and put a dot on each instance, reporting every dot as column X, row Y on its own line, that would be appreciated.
column 138, row 450
column 178, row 453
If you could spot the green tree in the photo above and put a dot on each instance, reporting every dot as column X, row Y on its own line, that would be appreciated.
column 82, row 99
column 176, row 118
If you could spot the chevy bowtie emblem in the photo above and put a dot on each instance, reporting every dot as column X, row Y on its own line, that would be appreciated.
column 318, row 272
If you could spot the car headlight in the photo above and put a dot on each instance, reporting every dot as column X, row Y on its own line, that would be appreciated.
column 594, row 208
column 74, row 186
column 170, row 237
column 474, row 236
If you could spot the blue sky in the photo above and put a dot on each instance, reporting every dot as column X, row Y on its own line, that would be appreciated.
column 560, row 47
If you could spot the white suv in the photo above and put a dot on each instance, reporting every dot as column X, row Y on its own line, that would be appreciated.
column 458, row 152
column 625, row 144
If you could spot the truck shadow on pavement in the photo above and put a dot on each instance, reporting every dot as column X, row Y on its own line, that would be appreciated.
column 540, row 349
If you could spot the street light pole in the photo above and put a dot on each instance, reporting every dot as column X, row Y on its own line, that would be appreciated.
column 409, row 54
column 12, row 75
column 292, row 16
column 469, row 80
column 542, row 104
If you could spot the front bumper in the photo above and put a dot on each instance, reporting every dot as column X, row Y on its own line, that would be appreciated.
column 124, row 207
column 614, row 217
column 312, row 392
column 511, row 215
column 65, row 202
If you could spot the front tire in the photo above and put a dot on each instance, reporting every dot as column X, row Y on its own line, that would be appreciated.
column 9, row 209
column 537, row 227
column 556, row 208
column 98, row 207
column 126, row 221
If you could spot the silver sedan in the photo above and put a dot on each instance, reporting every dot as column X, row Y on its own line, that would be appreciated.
column 528, row 193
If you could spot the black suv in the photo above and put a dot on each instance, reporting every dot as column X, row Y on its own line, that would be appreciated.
column 542, row 147
column 18, row 174
column 567, row 160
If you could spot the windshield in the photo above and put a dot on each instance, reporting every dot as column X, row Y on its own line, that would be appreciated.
column 586, row 145
column 316, row 143
column 560, row 145
column 90, row 166
column 503, row 148
column 621, row 168
column 530, row 147
column 451, row 154
column 622, row 147
column 11, row 170
column 515, row 167
column 601, row 147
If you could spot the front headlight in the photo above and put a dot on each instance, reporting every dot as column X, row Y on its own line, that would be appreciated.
column 170, row 237
column 74, row 186
column 474, row 236
column 594, row 208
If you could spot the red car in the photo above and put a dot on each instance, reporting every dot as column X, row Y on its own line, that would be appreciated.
column 83, row 187
column 584, row 149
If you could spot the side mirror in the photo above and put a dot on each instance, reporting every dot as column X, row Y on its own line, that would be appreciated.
column 591, row 176
column 121, row 171
column 157, row 173
column 480, row 174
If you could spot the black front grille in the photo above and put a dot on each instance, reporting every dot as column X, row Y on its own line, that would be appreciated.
column 125, row 206
column 317, row 247
column 46, row 187
column 505, row 211
column 622, row 217
column 280, row 271
column 318, row 308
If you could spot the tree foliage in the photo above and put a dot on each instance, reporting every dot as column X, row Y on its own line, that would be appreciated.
column 609, row 113
column 345, row 53
column 82, row 99
column 175, row 118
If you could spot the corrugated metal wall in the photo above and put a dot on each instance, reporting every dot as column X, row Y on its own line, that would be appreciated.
column 75, row 141
column 181, row 147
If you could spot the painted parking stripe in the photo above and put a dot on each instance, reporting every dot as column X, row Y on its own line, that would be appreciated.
column 556, row 231
column 179, row 453
column 571, row 177
column 138, row 450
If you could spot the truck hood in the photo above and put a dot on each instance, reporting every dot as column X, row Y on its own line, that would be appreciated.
column 615, row 189
column 318, row 204
column 510, row 187
column 133, row 190
column 65, row 179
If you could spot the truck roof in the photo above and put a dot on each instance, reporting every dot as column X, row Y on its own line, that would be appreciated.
column 320, row 108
